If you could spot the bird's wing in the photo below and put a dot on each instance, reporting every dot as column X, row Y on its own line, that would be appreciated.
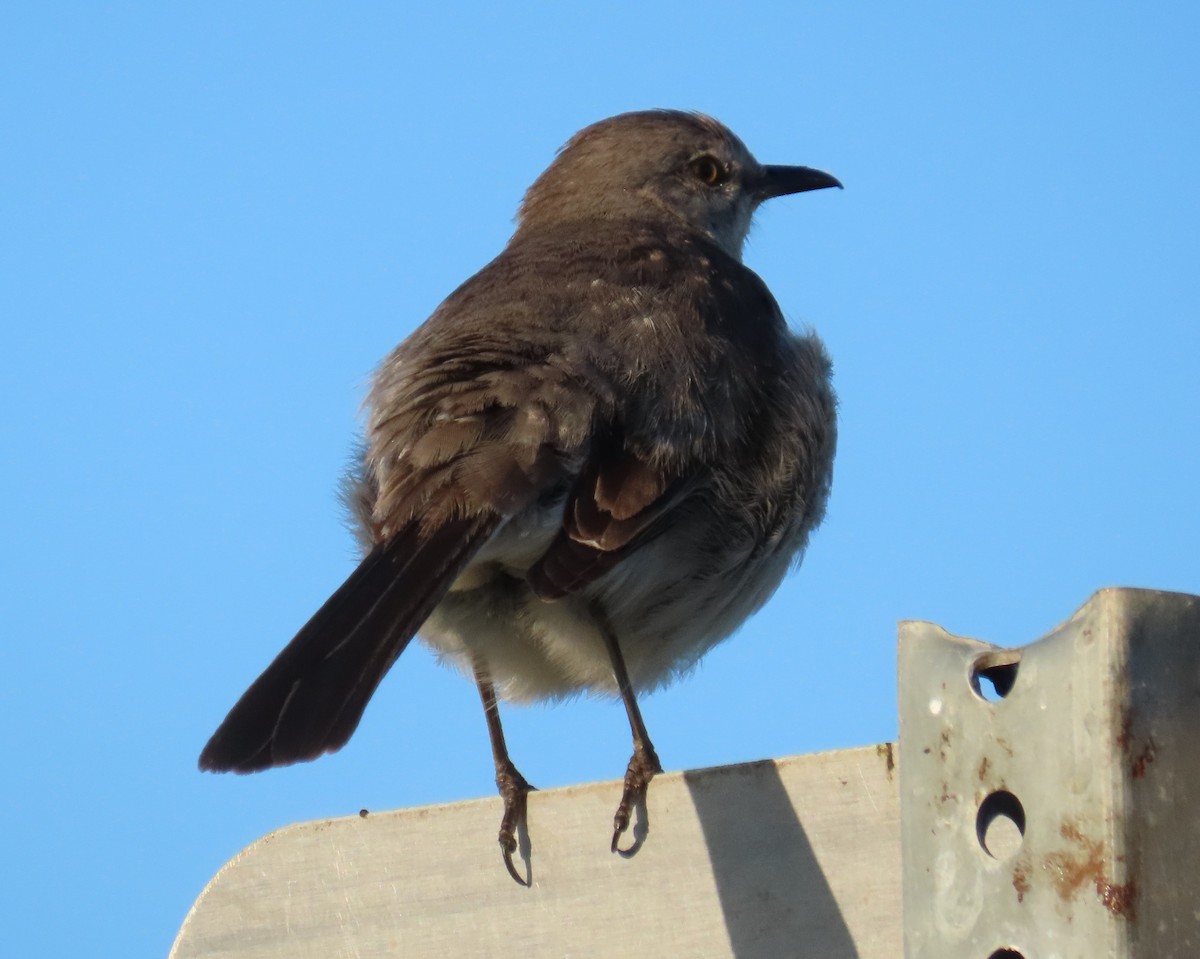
column 461, row 439
column 619, row 502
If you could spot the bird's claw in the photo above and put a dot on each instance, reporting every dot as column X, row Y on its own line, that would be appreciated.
column 508, row 845
column 514, row 790
column 643, row 766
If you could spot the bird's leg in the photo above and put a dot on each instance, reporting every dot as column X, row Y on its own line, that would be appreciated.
column 514, row 790
column 644, row 764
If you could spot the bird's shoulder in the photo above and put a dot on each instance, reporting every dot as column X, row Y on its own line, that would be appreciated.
column 579, row 276
column 641, row 304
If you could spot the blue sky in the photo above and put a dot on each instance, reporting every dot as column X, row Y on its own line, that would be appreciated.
column 217, row 218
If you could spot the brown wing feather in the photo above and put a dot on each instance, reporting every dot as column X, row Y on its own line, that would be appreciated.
column 614, row 507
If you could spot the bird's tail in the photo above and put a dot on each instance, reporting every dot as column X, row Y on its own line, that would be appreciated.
column 310, row 699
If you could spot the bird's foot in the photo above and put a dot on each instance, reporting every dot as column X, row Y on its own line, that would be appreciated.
column 514, row 790
column 642, row 768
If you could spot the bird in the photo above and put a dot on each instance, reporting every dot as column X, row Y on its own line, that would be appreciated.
column 594, row 460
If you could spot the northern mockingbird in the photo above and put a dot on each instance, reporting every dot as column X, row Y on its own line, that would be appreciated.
column 594, row 460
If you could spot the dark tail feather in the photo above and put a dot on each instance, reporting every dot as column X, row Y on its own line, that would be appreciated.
column 309, row 700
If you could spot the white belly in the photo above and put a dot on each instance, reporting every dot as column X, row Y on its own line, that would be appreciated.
column 666, row 603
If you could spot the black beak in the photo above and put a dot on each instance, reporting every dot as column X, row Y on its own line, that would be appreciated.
column 781, row 180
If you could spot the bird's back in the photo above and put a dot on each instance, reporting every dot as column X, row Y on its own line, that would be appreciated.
column 651, row 349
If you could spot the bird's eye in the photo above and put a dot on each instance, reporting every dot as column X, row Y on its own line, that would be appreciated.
column 708, row 170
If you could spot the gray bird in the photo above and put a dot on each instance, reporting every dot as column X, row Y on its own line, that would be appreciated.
column 594, row 460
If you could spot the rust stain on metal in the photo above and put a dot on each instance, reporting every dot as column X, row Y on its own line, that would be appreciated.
column 1127, row 743
column 984, row 765
column 1125, row 736
column 1075, row 866
column 1084, row 864
column 888, row 753
column 1143, row 759
column 1020, row 880
column 1118, row 900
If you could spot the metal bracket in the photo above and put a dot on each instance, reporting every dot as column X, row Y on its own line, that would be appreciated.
column 1050, row 795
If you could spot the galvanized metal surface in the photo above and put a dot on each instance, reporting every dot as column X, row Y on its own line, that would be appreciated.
column 1058, row 815
column 792, row 857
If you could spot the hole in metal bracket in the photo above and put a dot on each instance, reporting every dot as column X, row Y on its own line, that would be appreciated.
column 994, row 674
column 1000, row 824
column 1007, row 954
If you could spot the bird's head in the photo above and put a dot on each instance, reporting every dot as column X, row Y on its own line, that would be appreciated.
column 667, row 164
